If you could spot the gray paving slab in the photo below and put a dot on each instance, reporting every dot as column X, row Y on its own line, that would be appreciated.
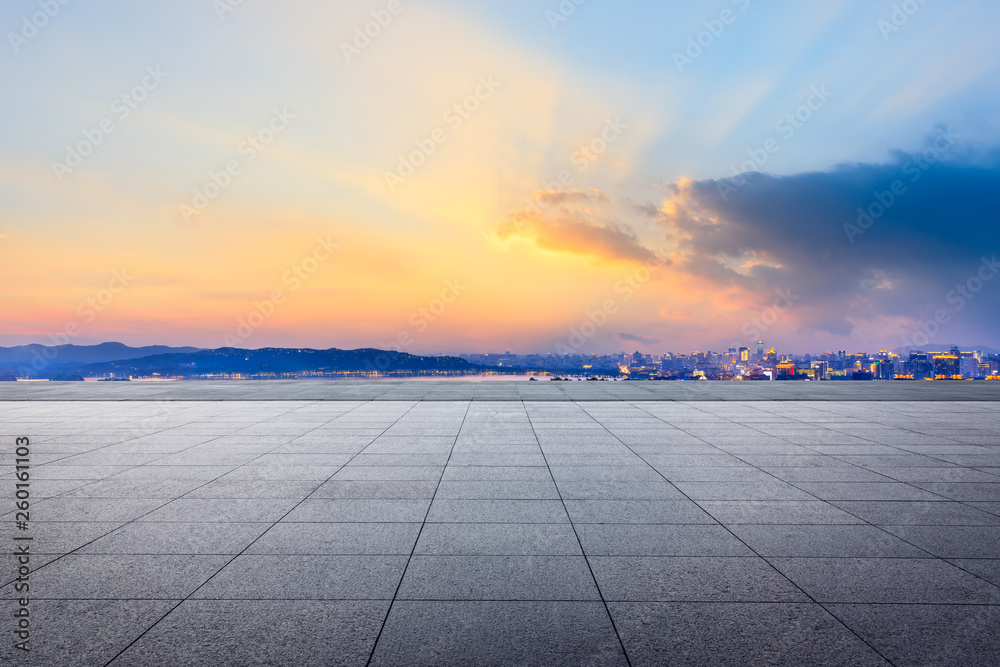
column 952, row 541
column 148, row 538
column 918, row 513
column 382, row 489
column 691, row 579
column 121, row 576
column 984, row 568
column 659, row 540
column 292, row 577
column 947, row 635
column 776, row 512
column 734, row 635
column 261, row 632
column 82, row 633
column 337, row 539
column 498, row 490
column 564, row 634
column 365, row 510
column 824, row 541
column 498, row 539
column 971, row 491
column 498, row 578
column 449, row 523
column 886, row 580
column 59, row 537
column 221, row 510
column 444, row 510
column 636, row 511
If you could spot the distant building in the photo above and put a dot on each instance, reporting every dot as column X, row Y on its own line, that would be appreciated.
column 919, row 366
column 884, row 369
column 969, row 367
column 947, row 367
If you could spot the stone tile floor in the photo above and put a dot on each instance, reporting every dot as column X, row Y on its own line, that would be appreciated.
column 508, row 532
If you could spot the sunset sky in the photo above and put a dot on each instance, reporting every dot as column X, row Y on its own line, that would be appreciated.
column 568, row 165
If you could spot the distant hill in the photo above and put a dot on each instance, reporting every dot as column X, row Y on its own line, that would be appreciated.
column 273, row 360
column 905, row 351
column 41, row 361
column 84, row 354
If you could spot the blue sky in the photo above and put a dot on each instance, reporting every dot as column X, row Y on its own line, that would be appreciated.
column 867, row 86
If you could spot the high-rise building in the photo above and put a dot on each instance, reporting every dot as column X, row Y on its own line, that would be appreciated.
column 884, row 369
column 946, row 367
column 920, row 365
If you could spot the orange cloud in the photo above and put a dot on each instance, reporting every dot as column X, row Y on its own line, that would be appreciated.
column 575, row 236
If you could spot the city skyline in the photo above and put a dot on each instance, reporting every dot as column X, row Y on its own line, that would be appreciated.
column 114, row 361
column 446, row 177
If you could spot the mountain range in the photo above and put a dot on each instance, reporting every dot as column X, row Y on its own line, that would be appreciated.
column 76, row 362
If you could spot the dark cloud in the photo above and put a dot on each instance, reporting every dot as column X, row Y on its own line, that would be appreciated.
column 570, row 196
column 845, row 242
column 632, row 338
column 648, row 210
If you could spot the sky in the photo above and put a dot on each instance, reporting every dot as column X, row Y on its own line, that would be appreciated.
column 534, row 176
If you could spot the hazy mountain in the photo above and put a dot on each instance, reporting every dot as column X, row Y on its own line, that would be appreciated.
column 905, row 351
column 276, row 360
column 83, row 354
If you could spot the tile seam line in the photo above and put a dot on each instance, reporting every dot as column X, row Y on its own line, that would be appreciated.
column 737, row 537
column 254, row 541
column 882, row 528
column 586, row 559
column 406, row 567
column 538, row 600
column 136, row 519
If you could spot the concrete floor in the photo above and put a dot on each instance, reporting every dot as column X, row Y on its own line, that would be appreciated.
column 462, row 390
column 428, row 532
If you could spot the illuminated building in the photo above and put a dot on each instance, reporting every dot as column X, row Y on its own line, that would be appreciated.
column 920, row 365
column 786, row 371
column 946, row 367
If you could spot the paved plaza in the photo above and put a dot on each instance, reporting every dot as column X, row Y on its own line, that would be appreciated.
column 505, row 524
